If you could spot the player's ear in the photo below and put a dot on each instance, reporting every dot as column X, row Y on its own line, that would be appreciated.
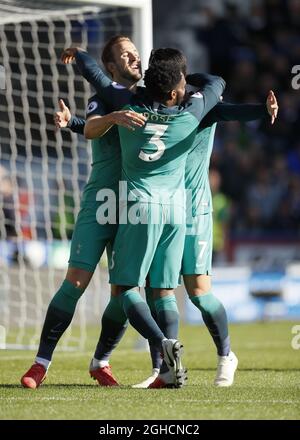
column 173, row 94
column 111, row 68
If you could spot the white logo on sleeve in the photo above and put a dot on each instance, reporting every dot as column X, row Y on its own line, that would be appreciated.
column 117, row 85
column 197, row 95
column 92, row 106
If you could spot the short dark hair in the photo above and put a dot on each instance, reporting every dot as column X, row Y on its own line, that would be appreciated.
column 168, row 54
column 161, row 78
column 107, row 53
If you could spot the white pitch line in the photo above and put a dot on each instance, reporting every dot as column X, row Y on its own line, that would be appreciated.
column 60, row 354
column 234, row 401
column 273, row 344
column 30, row 356
column 284, row 402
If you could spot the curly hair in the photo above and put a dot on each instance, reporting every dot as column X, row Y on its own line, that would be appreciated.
column 166, row 66
column 168, row 54
column 161, row 78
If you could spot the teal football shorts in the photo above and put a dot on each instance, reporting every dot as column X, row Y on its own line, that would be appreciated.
column 198, row 246
column 90, row 239
column 152, row 246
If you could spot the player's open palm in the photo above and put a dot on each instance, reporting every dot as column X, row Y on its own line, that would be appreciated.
column 62, row 117
column 272, row 106
column 68, row 55
column 129, row 119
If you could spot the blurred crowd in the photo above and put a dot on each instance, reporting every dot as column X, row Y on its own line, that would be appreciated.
column 255, row 167
column 253, row 45
column 259, row 164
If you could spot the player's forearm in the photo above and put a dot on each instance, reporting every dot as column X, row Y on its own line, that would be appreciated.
column 97, row 127
column 93, row 73
column 225, row 111
column 241, row 112
column 76, row 124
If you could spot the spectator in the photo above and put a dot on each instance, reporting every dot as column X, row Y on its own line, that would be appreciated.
column 221, row 210
column 259, row 163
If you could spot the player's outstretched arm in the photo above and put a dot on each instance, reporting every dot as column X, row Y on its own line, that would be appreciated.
column 114, row 96
column 87, row 66
column 63, row 119
column 242, row 112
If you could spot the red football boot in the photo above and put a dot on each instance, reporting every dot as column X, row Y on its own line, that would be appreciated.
column 158, row 383
column 34, row 376
column 104, row 376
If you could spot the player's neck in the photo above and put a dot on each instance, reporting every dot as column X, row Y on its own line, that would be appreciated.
column 169, row 102
column 129, row 84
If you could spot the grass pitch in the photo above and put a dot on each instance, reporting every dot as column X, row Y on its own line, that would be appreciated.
column 267, row 382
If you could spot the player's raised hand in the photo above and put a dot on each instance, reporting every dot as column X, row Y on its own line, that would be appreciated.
column 62, row 117
column 68, row 55
column 272, row 106
column 128, row 119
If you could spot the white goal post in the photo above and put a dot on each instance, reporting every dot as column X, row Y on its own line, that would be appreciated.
column 43, row 171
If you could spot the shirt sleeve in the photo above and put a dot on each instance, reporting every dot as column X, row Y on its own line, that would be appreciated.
column 114, row 95
column 198, row 79
column 200, row 103
column 76, row 124
column 225, row 111
column 95, row 107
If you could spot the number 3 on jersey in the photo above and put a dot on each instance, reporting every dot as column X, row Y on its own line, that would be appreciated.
column 158, row 130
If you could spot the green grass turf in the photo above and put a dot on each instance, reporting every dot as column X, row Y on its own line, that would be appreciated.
column 267, row 383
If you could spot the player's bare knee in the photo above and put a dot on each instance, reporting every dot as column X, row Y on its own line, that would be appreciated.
column 114, row 291
column 80, row 278
column 197, row 285
column 118, row 290
column 161, row 293
column 197, row 292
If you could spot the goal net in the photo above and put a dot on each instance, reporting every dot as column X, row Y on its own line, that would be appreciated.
column 43, row 171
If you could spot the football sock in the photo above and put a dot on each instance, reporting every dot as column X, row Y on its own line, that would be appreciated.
column 168, row 319
column 114, row 323
column 58, row 318
column 150, row 300
column 154, row 352
column 167, row 316
column 99, row 364
column 215, row 319
column 46, row 364
column 67, row 297
column 140, row 317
